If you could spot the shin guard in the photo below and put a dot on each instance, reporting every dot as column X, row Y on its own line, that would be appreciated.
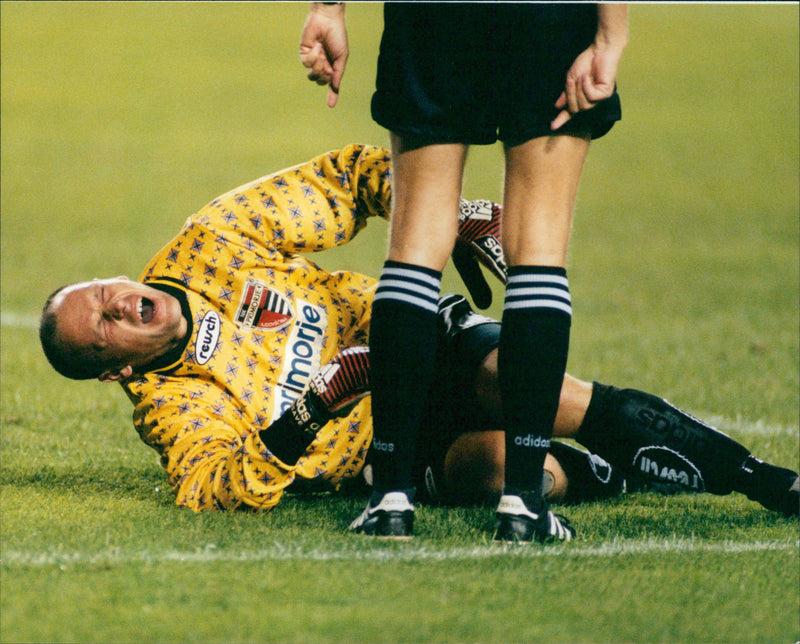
column 647, row 437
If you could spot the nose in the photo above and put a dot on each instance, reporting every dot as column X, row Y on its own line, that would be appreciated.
column 114, row 310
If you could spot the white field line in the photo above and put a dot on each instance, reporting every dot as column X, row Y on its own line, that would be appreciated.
column 395, row 552
column 749, row 427
column 13, row 320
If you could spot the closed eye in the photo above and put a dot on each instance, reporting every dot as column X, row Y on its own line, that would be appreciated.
column 101, row 330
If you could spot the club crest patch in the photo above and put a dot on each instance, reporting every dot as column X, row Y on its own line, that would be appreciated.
column 263, row 308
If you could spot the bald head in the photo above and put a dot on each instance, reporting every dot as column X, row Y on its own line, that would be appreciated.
column 109, row 329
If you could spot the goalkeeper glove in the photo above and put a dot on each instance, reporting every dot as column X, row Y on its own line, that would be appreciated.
column 479, row 241
column 343, row 381
column 331, row 393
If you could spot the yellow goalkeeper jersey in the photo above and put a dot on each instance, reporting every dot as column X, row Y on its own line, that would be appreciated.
column 263, row 319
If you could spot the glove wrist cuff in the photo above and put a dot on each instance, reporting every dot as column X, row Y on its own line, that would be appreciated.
column 291, row 434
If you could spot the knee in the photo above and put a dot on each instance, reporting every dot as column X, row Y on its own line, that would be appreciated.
column 475, row 468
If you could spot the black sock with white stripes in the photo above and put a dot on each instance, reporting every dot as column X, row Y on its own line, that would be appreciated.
column 532, row 358
column 402, row 359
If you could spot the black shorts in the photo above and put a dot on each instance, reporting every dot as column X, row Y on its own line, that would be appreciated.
column 465, row 339
column 474, row 73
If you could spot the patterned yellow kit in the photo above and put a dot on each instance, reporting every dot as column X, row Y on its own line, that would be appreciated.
column 264, row 318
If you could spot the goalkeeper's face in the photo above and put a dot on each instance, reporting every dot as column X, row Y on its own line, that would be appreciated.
column 125, row 324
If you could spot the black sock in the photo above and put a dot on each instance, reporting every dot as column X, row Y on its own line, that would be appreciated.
column 772, row 486
column 534, row 342
column 402, row 360
column 645, row 436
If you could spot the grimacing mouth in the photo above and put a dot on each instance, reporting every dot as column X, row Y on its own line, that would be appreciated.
column 146, row 310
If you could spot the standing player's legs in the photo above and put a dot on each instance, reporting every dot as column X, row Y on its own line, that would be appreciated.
column 541, row 184
column 425, row 196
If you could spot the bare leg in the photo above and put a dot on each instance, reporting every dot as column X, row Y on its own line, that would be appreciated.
column 425, row 198
column 426, row 190
column 573, row 403
column 474, row 466
column 541, row 185
column 542, row 177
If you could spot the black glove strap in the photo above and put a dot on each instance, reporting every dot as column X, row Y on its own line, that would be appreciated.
column 291, row 434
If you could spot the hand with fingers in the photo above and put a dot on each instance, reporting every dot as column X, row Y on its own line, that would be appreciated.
column 324, row 47
column 592, row 77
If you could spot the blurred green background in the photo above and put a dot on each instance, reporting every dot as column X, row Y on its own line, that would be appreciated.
column 119, row 119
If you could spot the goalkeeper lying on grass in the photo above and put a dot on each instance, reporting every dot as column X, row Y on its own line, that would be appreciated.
column 248, row 369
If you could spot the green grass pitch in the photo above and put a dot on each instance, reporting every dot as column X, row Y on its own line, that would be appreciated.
column 121, row 119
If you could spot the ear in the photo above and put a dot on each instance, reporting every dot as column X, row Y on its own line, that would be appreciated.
column 115, row 375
